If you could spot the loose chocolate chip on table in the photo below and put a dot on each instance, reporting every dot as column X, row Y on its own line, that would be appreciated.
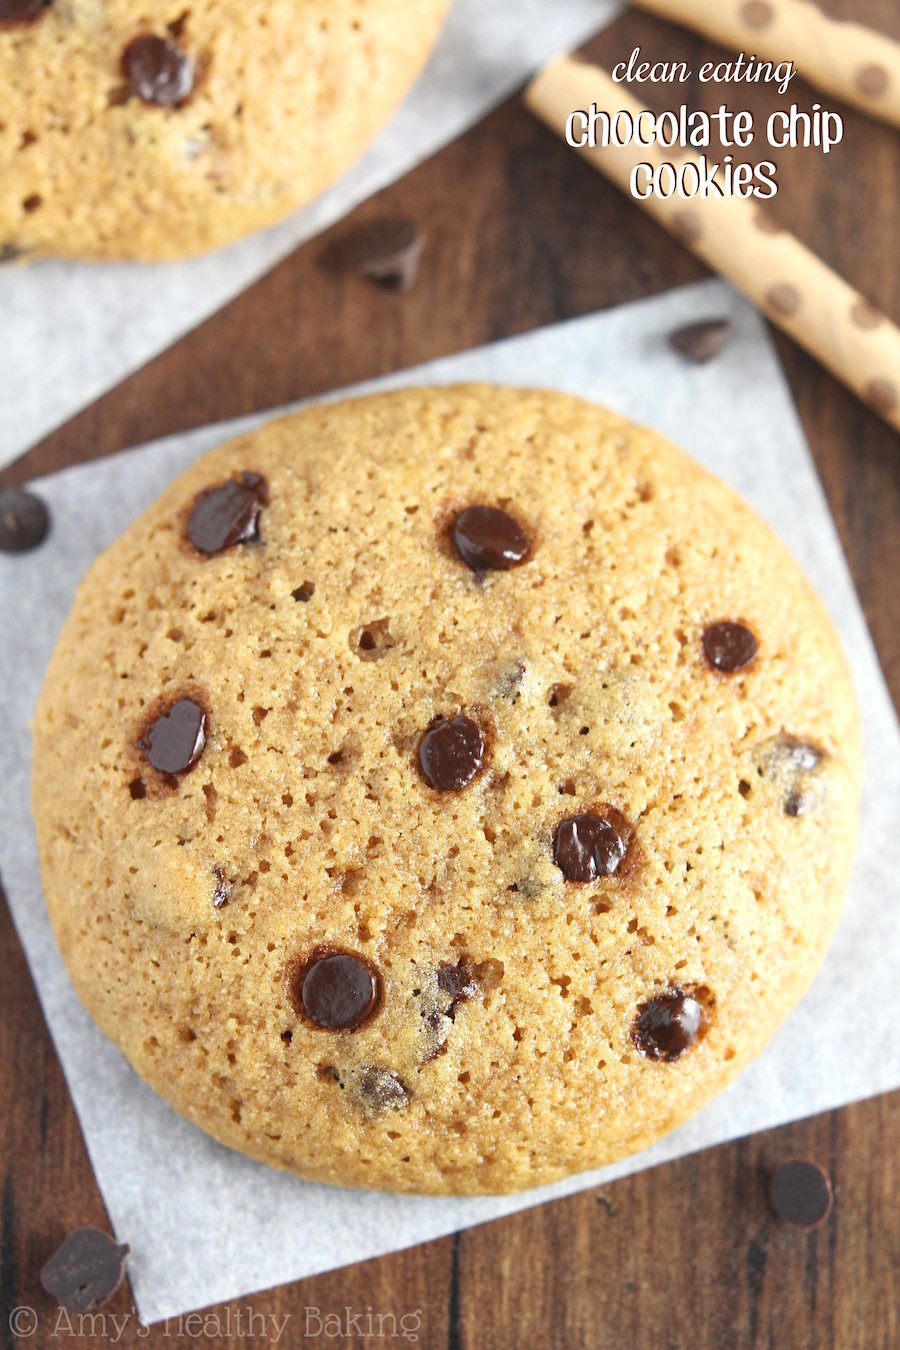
column 228, row 515
column 22, row 11
column 589, row 845
column 387, row 251
column 800, row 1193
column 729, row 646
column 174, row 741
column 86, row 1270
column 488, row 539
column 668, row 1025
column 700, row 342
column 337, row 990
column 158, row 70
column 450, row 753
column 24, row 520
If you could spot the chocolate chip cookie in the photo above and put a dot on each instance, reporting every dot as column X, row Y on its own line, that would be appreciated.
column 162, row 130
column 445, row 791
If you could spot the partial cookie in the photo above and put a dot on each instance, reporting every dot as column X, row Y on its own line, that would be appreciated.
column 445, row 791
column 162, row 130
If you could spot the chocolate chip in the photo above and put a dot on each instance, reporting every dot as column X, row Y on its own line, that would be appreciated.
column 387, row 251
column 729, row 646
column 22, row 11
column 336, row 990
column 589, row 845
column 438, row 998
column 459, row 982
column 666, row 1026
column 798, row 804
column 800, row 1193
column 379, row 1089
column 24, row 520
column 159, row 71
column 793, row 765
column 450, row 753
column 222, row 890
column 509, row 682
column 174, row 741
column 700, row 342
column 488, row 539
column 227, row 515
column 86, row 1270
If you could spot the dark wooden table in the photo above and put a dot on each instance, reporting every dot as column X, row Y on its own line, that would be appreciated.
column 522, row 233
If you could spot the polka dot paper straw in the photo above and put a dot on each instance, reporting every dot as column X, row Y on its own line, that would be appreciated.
column 736, row 238
column 859, row 65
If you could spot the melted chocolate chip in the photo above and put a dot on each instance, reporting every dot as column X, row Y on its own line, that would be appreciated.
column 666, row 1026
column 174, row 741
column 800, row 1193
column 459, row 982
column 380, row 1090
column 450, row 753
column 336, row 990
column 729, row 646
column 158, row 70
column 222, row 889
column 86, row 1270
column 22, row 11
column 798, row 803
column 228, row 515
column 24, row 520
column 589, row 845
column 509, row 682
column 488, row 539
column 793, row 765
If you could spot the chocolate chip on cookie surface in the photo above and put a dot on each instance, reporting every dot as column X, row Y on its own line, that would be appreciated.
column 488, row 539
column 228, row 514
column 159, row 71
column 440, row 853
column 174, row 741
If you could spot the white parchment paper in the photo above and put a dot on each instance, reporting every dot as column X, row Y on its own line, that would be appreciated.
column 206, row 1224
column 68, row 332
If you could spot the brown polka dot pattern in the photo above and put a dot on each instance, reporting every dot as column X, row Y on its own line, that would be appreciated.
column 686, row 227
column 865, row 315
column 757, row 14
column 872, row 81
column 783, row 299
column 882, row 396
column 542, row 965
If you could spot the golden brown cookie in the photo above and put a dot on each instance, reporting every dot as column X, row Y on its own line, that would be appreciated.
column 167, row 129
column 445, row 791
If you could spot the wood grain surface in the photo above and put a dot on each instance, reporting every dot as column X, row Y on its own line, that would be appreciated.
column 522, row 233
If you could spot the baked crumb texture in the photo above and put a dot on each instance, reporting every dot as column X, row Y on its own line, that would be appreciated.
column 456, row 878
